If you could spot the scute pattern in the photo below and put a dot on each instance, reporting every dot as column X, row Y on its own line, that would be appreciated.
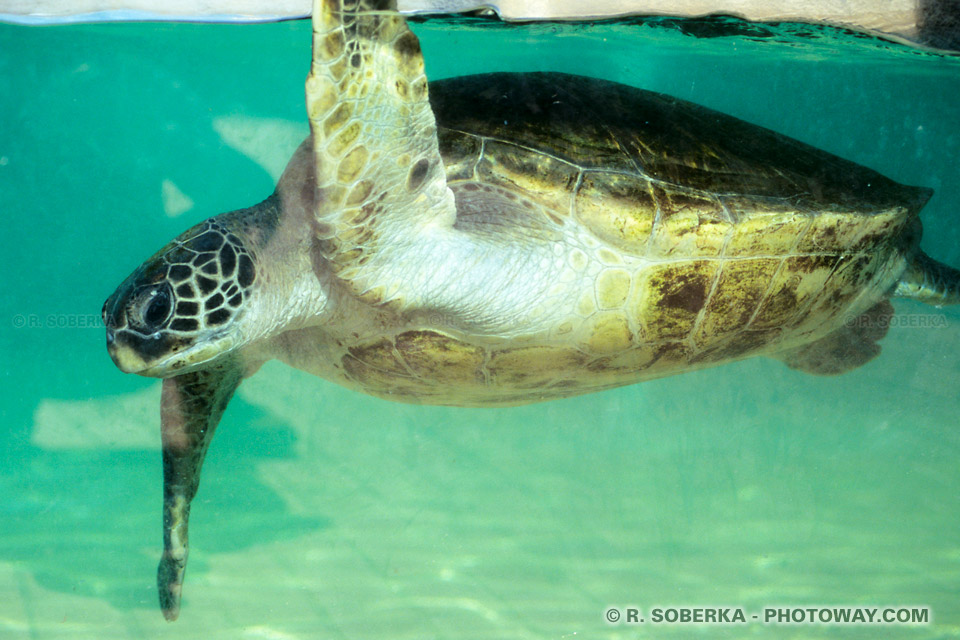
column 203, row 266
column 374, row 142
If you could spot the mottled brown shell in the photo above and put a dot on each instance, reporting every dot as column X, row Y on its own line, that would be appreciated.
column 747, row 229
column 654, row 167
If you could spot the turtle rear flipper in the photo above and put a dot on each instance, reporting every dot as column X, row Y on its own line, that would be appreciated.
column 855, row 344
column 190, row 409
column 929, row 281
column 849, row 347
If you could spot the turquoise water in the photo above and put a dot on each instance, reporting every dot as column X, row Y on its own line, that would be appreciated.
column 328, row 514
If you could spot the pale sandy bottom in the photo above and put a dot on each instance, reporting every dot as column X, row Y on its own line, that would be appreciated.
column 327, row 514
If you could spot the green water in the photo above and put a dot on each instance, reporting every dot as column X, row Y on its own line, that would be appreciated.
column 328, row 514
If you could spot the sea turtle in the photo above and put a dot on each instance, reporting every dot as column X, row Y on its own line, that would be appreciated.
column 510, row 238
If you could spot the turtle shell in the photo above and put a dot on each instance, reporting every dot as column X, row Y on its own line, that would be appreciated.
column 750, row 223
column 629, row 142
column 663, row 178
column 713, row 240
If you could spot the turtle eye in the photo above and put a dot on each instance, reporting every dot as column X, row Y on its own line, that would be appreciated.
column 152, row 308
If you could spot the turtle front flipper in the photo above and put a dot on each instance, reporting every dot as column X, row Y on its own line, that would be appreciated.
column 380, row 181
column 191, row 407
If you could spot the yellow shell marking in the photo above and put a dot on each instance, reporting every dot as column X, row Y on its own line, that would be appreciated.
column 613, row 287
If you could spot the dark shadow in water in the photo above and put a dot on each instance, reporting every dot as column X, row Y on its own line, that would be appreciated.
column 89, row 522
column 938, row 29
column 939, row 23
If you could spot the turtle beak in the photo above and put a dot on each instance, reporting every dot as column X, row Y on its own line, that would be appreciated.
column 126, row 359
column 120, row 357
column 120, row 352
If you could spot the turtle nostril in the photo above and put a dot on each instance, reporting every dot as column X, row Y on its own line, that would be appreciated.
column 110, row 337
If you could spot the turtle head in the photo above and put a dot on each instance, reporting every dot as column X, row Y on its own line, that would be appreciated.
column 180, row 308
